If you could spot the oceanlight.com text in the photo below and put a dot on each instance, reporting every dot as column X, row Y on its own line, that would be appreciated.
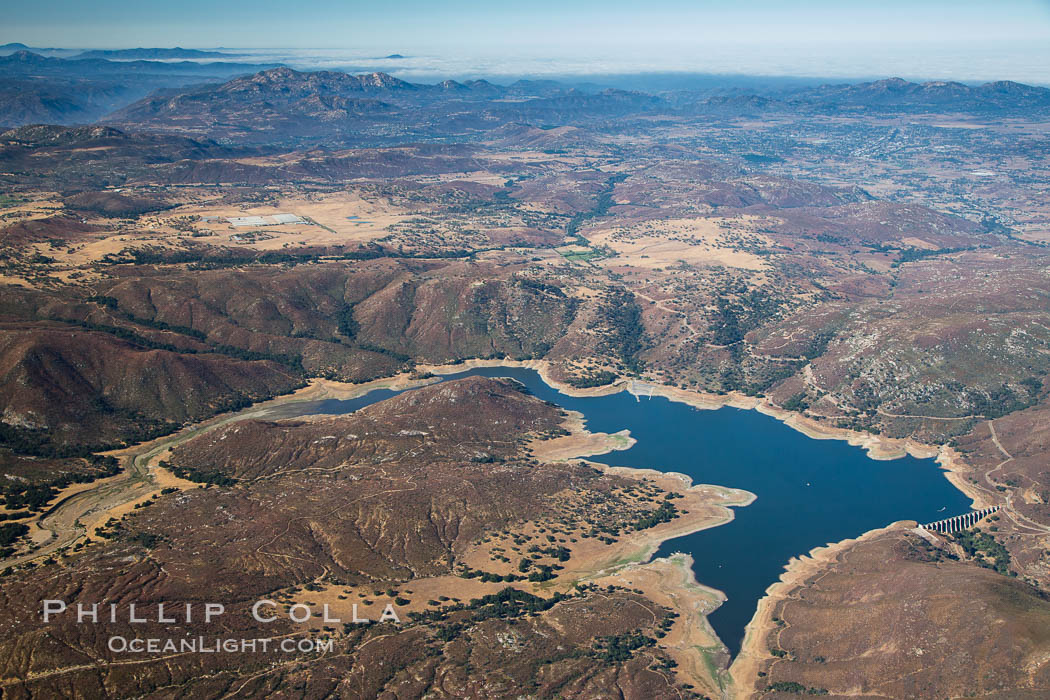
column 211, row 645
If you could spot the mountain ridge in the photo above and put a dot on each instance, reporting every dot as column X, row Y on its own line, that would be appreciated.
column 176, row 52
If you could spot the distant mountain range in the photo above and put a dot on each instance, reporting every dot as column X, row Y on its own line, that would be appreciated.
column 118, row 54
column 898, row 94
column 8, row 49
column 36, row 88
column 284, row 105
column 281, row 103
column 890, row 96
column 154, row 54
column 276, row 104
column 31, row 63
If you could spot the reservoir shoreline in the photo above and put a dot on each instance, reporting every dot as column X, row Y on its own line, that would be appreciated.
column 647, row 553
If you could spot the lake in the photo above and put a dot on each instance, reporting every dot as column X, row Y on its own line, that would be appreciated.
column 809, row 492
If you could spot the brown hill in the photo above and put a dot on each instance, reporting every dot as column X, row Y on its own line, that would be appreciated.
column 895, row 616
column 429, row 311
column 62, row 388
column 71, row 159
column 115, row 205
column 64, row 228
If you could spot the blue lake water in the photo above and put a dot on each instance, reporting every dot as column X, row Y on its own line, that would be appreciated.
column 809, row 492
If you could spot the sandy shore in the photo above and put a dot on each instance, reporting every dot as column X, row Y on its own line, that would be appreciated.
column 579, row 442
column 701, row 655
column 691, row 642
column 957, row 471
column 707, row 506
column 321, row 389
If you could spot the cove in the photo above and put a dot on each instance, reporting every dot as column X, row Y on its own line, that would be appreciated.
column 809, row 492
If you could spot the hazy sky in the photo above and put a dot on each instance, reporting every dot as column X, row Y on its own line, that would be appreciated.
column 676, row 34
